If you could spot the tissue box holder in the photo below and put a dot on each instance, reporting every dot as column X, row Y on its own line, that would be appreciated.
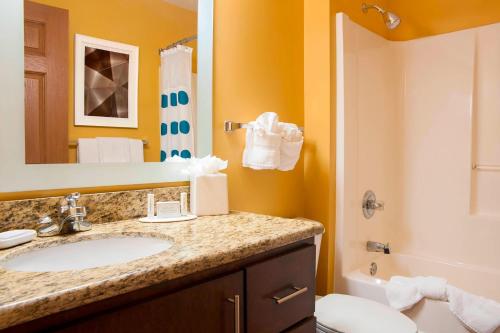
column 209, row 194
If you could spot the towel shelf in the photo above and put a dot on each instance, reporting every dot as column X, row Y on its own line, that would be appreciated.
column 74, row 143
column 231, row 126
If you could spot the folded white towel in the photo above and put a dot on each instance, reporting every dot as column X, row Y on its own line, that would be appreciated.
column 478, row 313
column 87, row 151
column 262, row 150
column 136, row 151
column 403, row 292
column 114, row 150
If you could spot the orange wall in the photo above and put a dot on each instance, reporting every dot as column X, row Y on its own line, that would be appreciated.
column 258, row 67
column 431, row 17
column 149, row 24
column 319, row 162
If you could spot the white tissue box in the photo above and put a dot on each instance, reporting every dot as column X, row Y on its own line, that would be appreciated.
column 209, row 195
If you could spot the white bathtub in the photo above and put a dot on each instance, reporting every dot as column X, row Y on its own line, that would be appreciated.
column 429, row 315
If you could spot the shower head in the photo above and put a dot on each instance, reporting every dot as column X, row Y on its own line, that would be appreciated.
column 391, row 20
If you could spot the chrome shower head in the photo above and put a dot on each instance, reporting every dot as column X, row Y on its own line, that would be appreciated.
column 391, row 20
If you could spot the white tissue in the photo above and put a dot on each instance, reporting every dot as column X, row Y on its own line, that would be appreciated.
column 205, row 166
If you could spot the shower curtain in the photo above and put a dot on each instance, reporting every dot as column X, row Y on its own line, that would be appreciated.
column 176, row 113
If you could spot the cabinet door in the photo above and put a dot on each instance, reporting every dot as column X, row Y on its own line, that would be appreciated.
column 207, row 307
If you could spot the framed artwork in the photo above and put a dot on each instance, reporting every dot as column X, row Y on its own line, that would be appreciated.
column 106, row 83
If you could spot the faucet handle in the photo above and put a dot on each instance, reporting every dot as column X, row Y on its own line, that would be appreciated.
column 45, row 220
column 72, row 199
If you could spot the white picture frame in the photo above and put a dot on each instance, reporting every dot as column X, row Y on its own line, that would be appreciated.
column 81, row 119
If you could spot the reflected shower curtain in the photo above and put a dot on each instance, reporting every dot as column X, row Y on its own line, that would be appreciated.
column 176, row 113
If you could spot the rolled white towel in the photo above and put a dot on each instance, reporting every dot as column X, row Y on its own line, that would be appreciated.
column 403, row 292
column 478, row 313
column 432, row 287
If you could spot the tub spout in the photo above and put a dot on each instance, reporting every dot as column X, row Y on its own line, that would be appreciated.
column 378, row 247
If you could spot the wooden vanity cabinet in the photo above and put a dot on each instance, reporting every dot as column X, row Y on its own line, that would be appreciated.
column 205, row 307
column 267, row 293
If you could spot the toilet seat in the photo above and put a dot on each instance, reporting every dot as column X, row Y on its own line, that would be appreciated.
column 337, row 313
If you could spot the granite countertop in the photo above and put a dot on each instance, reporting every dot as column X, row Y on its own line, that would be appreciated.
column 200, row 244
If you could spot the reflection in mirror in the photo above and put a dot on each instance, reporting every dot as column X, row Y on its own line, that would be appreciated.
column 110, row 81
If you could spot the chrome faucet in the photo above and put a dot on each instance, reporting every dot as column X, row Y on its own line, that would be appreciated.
column 378, row 247
column 71, row 218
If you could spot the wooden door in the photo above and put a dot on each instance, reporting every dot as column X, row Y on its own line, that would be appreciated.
column 203, row 308
column 46, row 83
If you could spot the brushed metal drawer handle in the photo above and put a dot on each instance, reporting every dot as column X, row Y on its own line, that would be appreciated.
column 297, row 292
column 236, row 301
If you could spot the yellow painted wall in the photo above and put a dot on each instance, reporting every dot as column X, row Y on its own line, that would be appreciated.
column 319, row 162
column 430, row 17
column 258, row 67
column 149, row 24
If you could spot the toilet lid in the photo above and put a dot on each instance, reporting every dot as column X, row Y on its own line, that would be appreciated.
column 350, row 314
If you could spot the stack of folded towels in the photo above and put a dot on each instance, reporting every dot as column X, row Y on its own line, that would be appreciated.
column 271, row 144
column 479, row 314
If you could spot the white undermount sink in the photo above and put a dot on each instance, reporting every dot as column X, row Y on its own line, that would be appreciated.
column 87, row 254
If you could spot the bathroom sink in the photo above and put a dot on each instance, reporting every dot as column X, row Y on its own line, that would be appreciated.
column 87, row 254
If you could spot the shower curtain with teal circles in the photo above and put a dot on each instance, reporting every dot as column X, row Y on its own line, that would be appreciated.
column 176, row 114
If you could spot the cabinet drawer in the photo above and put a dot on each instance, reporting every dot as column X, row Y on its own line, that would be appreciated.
column 280, row 291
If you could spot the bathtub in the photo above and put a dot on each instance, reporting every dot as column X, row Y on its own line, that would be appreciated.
column 430, row 316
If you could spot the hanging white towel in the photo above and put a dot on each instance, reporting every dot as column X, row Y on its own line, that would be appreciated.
column 263, row 141
column 271, row 144
column 478, row 313
column 87, row 151
column 176, row 101
column 291, row 145
column 136, row 151
column 114, row 150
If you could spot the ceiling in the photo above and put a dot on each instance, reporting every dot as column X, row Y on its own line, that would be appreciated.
column 186, row 4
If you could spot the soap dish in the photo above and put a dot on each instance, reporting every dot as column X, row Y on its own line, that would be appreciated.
column 15, row 237
column 156, row 219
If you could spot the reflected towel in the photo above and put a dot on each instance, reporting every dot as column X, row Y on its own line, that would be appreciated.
column 87, row 151
column 136, row 151
column 114, row 150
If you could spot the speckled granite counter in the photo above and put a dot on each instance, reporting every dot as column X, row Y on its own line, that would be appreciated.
column 201, row 244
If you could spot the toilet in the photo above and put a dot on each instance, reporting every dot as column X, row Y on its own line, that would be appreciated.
column 338, row 313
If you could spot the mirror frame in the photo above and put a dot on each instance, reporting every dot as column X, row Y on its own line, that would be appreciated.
column 16, row 176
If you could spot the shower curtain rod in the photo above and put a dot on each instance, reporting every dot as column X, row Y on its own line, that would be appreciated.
column 179, row 42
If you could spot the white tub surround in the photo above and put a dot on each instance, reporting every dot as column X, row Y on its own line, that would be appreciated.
column 412, row 119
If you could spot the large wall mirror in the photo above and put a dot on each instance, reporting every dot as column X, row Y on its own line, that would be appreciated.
column 103, row 92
